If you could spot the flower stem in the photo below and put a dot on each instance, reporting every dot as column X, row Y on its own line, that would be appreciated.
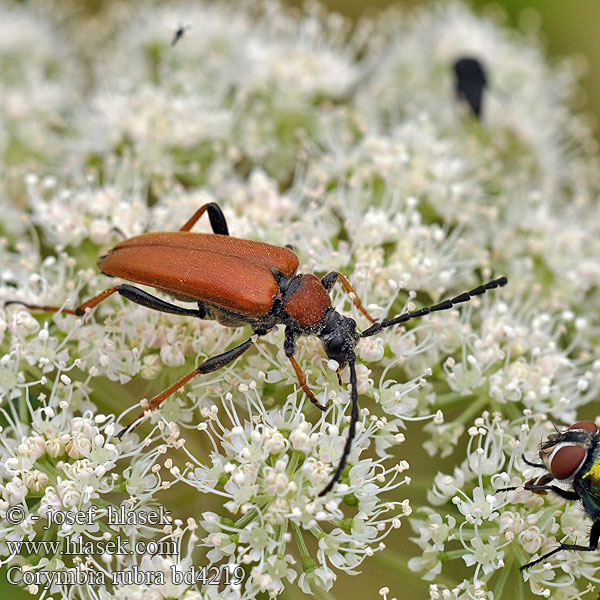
column 399, row 563
column 300, row 541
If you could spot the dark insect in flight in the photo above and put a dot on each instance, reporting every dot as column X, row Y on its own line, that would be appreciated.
column 240, row 282
column 470, row 83
column 179, row 32
column 572, row 457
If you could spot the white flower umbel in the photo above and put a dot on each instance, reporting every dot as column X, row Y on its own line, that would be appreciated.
column 55, row 465
column 268, row 468
column 41, row 84
column 258, row 88
column 494, row 532
column 349, row 144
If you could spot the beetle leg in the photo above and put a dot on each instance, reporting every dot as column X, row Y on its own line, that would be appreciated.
column 303, row 384
column 289, row 347
column 593, row 545
column 67, row 311
column 127, row 291
column 329, row 280
column 211, row 364
column 201, row 310
column 215, row 215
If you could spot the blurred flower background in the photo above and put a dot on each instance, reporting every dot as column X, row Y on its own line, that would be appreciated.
column 343, row 136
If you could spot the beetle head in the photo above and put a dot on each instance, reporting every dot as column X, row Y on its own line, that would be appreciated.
column 564, row 452
column 339, row 337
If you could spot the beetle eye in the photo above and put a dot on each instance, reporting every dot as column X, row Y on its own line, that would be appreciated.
column 588, row 425
column 565, row 461
column 335, row 345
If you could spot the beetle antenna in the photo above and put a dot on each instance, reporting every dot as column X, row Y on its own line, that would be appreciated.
column 351, row 429
column 445, row 305
column 133, row 425
column 120, row 232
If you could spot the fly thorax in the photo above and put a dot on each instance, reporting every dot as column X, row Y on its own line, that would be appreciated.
column 565, row 452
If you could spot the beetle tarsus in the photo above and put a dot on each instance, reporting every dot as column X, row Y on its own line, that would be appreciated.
column 217, row 219
column 120, row 232
column 127, row 429
column 44, row 308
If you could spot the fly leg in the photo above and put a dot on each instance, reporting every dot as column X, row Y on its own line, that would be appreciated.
column 593, row 545
column 539, row 485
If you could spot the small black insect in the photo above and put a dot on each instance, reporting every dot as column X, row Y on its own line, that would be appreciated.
column 572, row 457
column 470, row 83
column 179, row 32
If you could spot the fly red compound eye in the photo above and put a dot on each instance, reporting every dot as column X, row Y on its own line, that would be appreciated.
column 565, row 461
column 587, row 425
column 241, row 283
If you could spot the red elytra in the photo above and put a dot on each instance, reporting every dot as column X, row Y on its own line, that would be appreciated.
column 235, row 274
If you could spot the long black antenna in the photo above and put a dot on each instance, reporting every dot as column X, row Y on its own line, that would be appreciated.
column 351, row 429
column 445, row 305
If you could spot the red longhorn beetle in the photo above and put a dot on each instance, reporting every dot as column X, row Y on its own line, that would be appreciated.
column 242, row 282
